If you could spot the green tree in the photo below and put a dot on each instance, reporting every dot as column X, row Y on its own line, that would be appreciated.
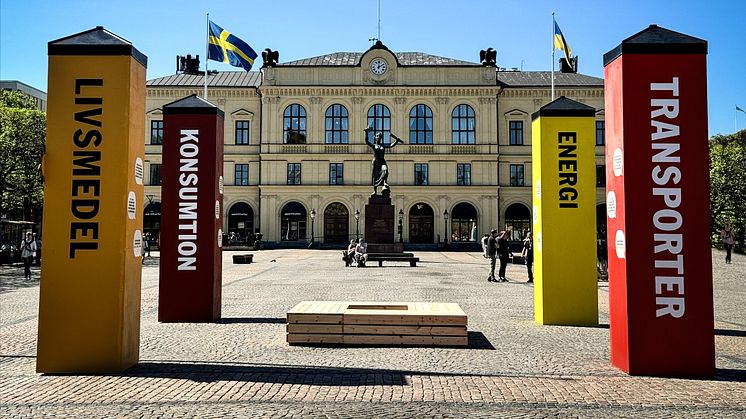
column 728, row 185
column 22, row 134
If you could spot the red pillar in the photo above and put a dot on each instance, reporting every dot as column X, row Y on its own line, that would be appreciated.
column 657, row 184
column 191, row 212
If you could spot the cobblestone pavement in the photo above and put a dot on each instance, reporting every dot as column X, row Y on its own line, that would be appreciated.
column 242, row 367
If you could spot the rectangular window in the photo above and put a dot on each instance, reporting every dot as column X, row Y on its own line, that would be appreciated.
column 293, row 173
column 242, row 132
column 516, row 132
column 516, row 175
column 463, row 174
column 420, row 174
column 600, row 133
column 600, row 176
column 155, row 174
column 156, row 132
column 242, row 175
column 336, row 174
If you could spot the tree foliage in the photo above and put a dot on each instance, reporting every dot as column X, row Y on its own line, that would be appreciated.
column 728, row 185
column 22, row 134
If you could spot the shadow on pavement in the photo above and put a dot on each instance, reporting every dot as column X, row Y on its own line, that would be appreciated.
column 240, row 320
column 730, row 332
column 11, row 278
column 729, row 374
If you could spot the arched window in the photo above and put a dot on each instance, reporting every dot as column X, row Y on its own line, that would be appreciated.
column 379, row 118
column 336, row 124
column 421, row 125
column 293, row 222
column 294, row 124
column 463, row 223
column 462, row 125
column 517, row 221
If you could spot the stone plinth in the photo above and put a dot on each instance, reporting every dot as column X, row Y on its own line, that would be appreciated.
column 379, row 221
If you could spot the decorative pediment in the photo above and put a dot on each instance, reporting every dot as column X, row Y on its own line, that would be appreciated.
column 242, row 113
column 155, row 112
column 600, row 113
column 516, row 113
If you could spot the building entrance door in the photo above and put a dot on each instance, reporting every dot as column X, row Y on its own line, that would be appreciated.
column 421, row 224
column 336, row 223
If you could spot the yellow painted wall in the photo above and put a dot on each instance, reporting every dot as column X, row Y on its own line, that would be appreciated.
column 565, row 290
column 89, row 308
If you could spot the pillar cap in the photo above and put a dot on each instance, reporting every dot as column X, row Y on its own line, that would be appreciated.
column 191, row 104
column 96, row 41
column 563, row 106
column 657, row 40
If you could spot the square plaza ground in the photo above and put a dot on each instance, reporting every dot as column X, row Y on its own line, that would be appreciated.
column 242, row 367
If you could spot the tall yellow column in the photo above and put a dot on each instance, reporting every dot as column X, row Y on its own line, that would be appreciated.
column 564, row 196
column 89, row 304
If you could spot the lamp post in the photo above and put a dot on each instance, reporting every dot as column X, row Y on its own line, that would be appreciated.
column 445, row 226
column 313, row 215
column 357, row 224
column 401, row 217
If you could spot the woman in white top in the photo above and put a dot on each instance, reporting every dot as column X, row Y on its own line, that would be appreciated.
column 28, row 252
column 728, row 236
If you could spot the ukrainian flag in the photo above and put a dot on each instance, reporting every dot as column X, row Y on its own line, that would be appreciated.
column 560, row 43
column 229, row 49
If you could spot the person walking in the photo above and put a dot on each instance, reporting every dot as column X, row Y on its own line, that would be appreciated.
column 504, row 253
column 528, row 255
column 28, row 252
column 728, row 236
column 492, row 254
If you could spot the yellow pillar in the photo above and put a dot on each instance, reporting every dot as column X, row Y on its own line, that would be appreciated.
column 89, row 304
column 564, row 196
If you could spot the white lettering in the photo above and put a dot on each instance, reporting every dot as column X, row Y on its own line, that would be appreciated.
column 188, row 179
column 667, row 239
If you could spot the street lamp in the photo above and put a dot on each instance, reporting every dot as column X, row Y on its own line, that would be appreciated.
column 401, row 217
column 313, row 215
column 445, row 226
column 357, row 224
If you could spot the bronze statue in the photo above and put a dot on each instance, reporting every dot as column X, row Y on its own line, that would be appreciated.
column 380, row 173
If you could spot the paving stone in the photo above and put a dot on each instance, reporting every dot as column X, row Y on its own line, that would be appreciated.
column 241, row 366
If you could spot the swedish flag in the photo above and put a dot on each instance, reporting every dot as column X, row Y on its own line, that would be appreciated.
column 560, row 43
column 229, row 49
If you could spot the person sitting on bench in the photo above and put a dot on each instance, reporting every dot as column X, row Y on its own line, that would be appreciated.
column 349, row 255
column 361, row 253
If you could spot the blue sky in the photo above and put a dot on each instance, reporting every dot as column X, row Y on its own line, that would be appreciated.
column 520, row 31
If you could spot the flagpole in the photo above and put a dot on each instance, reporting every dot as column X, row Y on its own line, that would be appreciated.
column 207, row 51
column 553, row 34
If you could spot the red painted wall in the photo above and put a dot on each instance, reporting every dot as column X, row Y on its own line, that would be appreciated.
column 645, row 338
column 187, row 295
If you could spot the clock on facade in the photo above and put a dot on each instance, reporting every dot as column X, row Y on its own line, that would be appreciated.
column 378, row 66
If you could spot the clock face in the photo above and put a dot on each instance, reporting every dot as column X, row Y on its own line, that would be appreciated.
column 378, row 66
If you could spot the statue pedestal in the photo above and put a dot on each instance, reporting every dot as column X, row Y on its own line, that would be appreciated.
column 379, row 226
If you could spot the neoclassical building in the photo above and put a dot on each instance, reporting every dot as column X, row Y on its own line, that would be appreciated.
column 297, row 164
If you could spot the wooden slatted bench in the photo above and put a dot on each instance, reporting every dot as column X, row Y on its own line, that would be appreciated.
column 393, row 257
column 243, row 259
column 375, row 323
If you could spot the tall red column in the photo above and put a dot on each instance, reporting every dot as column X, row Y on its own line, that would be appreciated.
column 191, row 212
column 657, row 184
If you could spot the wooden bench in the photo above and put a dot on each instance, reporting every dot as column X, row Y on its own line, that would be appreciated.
column 243, row 259
column 376, row 323
column 393, row 257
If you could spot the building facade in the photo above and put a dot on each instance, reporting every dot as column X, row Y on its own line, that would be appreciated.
column 296, row 161
column 39, row 97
